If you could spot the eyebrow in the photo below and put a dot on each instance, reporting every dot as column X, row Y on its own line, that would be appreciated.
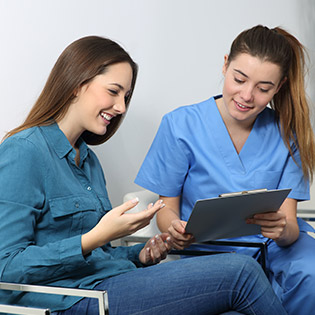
column 118, row 85
column 246, row 76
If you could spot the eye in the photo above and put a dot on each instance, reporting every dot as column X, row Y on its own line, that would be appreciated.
column 238, row 80
column 113, row 92
column 263, row 90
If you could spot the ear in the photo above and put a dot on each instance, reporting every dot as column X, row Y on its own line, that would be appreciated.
column 281, row 83
column 225, row 65
column 79, row 89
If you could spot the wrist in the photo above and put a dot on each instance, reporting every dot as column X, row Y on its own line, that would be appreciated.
column 290, row 235
column 91, row 241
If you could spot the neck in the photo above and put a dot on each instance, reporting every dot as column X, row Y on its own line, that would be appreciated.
column 69, row 132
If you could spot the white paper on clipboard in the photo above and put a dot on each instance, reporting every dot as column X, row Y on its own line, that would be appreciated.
column 225, row 217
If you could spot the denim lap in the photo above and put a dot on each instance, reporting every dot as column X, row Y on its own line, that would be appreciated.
column 201, row 285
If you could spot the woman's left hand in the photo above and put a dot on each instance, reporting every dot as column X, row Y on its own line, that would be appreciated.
column 155, row 249
column 272, row 224
column 281, row 226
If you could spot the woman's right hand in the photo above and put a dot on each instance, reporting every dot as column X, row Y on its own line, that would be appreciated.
column 179, row 237
column 117, row 223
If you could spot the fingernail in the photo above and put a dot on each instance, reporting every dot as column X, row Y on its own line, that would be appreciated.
column 153, row 242
column 161, row 201
column 135, row 200
column 157, row 237
column 168, row 238
column 162, row 206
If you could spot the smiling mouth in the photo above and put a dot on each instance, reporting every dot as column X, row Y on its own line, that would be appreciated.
column 106, row 116
column 241, row 105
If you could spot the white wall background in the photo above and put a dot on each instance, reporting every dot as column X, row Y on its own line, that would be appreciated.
column 178, row 44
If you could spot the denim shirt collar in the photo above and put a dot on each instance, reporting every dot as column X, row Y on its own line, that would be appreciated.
column 61, row 145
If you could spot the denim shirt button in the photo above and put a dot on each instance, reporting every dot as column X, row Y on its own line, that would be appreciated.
column 77, row 205
column 89, row 188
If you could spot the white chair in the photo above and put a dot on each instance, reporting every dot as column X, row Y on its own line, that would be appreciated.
column 145, row 197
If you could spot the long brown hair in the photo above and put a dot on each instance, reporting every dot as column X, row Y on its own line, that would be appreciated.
column 290, row 103
column 78, row 64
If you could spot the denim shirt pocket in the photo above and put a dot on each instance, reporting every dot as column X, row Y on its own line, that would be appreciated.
column 267, row 179
column 106, row 205
column 75, row 214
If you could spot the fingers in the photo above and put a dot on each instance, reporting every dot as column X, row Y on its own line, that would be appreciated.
column 272, row 224
column 127, row 205
column 157, row 248
column 181, row 241
column 180, row 244
column 179, row 226
column 179, row 238
column 146, row 215
column 152, row 209
column 268, row 220
column 149, row 212
column 138, row 220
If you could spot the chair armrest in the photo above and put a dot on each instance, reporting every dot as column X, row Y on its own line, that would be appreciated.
column 10, row 309
column 100, row 295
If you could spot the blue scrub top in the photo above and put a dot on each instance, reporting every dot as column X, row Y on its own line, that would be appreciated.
column 193, row 156
column 46, row 203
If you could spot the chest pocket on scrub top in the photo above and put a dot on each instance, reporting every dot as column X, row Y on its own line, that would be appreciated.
column 76, row 214
column 267, row 179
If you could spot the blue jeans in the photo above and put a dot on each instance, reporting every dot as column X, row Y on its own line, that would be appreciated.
column 200, row 285
column 290, row 269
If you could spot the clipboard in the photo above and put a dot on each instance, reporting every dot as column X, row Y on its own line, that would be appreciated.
column 225, row 216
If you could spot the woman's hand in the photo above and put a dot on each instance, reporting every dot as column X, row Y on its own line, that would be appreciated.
column 281, row 226
column 272, row 224
column 118, row 223
column 155, row 249
column 168, row 220
column 179, row 237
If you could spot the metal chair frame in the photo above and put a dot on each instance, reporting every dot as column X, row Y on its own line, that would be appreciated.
column 11, row 309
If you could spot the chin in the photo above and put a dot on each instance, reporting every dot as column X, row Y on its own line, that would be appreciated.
column 99, row 132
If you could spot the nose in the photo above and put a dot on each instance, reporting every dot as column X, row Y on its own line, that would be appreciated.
column 120, row 105
column 246, row 93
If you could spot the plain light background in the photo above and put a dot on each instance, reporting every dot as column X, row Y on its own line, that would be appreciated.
column 179, row 46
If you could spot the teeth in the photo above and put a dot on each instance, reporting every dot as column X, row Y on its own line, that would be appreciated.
column 240, row 105
column 106, row 116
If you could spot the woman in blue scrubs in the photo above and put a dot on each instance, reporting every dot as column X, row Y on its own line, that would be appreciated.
column 234, row 142
column 56, row 220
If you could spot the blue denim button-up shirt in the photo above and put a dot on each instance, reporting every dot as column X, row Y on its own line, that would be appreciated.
column 46, row 203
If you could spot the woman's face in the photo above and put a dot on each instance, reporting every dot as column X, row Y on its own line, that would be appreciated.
column 250, row 84
column 100, row 100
